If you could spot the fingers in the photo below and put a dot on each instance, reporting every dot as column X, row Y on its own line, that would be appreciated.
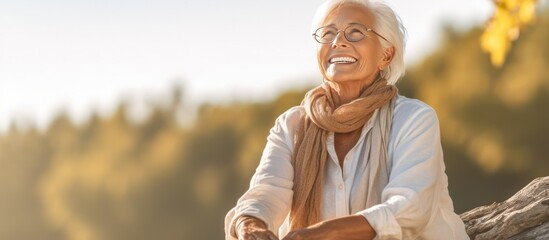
column 271, row 236
column 251, row 228
column 264, row 235
column 258, row 235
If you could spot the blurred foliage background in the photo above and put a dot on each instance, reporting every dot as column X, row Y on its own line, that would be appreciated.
column 115, row 178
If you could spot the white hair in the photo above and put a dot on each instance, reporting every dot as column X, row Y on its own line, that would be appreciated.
column 387, row 24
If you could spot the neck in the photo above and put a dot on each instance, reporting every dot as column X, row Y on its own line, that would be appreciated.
column 346, row 92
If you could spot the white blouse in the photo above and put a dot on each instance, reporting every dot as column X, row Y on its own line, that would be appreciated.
column 415, row 203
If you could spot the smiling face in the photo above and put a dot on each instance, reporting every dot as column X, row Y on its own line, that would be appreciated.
column 343, row 61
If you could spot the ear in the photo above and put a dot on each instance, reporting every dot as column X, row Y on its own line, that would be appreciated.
column 388, row 54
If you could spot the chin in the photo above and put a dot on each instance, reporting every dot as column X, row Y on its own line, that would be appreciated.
column 341, row 79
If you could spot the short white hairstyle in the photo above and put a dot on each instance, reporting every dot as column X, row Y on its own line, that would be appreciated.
column 387, row 23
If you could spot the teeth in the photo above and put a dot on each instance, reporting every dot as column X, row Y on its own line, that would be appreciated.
column 342, row 60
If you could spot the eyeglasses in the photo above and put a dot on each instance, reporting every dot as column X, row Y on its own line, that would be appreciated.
column 353, row 33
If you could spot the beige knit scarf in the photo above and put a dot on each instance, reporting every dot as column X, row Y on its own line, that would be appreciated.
column 310, row 153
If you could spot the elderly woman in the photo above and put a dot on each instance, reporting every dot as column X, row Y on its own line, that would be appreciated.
column 355, row 160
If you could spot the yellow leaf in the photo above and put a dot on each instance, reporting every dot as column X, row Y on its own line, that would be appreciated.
column 504, row 27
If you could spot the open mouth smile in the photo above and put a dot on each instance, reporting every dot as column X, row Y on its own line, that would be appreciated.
column 343, row 60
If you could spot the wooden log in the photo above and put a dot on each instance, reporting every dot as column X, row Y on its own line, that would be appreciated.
column 523, row 216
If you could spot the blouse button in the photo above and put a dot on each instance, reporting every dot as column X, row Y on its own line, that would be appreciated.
column 340, row 186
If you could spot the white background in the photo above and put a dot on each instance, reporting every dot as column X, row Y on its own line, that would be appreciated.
column 82, row 56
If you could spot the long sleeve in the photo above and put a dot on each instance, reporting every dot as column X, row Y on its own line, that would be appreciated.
column 417, row 179
column 270, row 193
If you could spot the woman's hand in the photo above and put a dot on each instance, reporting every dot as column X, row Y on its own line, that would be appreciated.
column 251, row 228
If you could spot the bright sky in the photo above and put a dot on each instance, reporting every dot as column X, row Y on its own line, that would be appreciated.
column 82, row 56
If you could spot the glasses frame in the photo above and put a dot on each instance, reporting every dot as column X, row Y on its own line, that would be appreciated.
column 345, row 35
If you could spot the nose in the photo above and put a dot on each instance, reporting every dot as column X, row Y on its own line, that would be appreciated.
column 340, row 40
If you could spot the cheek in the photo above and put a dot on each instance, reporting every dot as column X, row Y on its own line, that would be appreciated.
column 320, row 52
column 321, row 55
column 370, row 59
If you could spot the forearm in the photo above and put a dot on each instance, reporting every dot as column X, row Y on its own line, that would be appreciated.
column 345, row 228
column 350, row 227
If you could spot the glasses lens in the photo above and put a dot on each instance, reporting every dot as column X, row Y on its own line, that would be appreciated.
column 355, row 32
column 325, row 34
